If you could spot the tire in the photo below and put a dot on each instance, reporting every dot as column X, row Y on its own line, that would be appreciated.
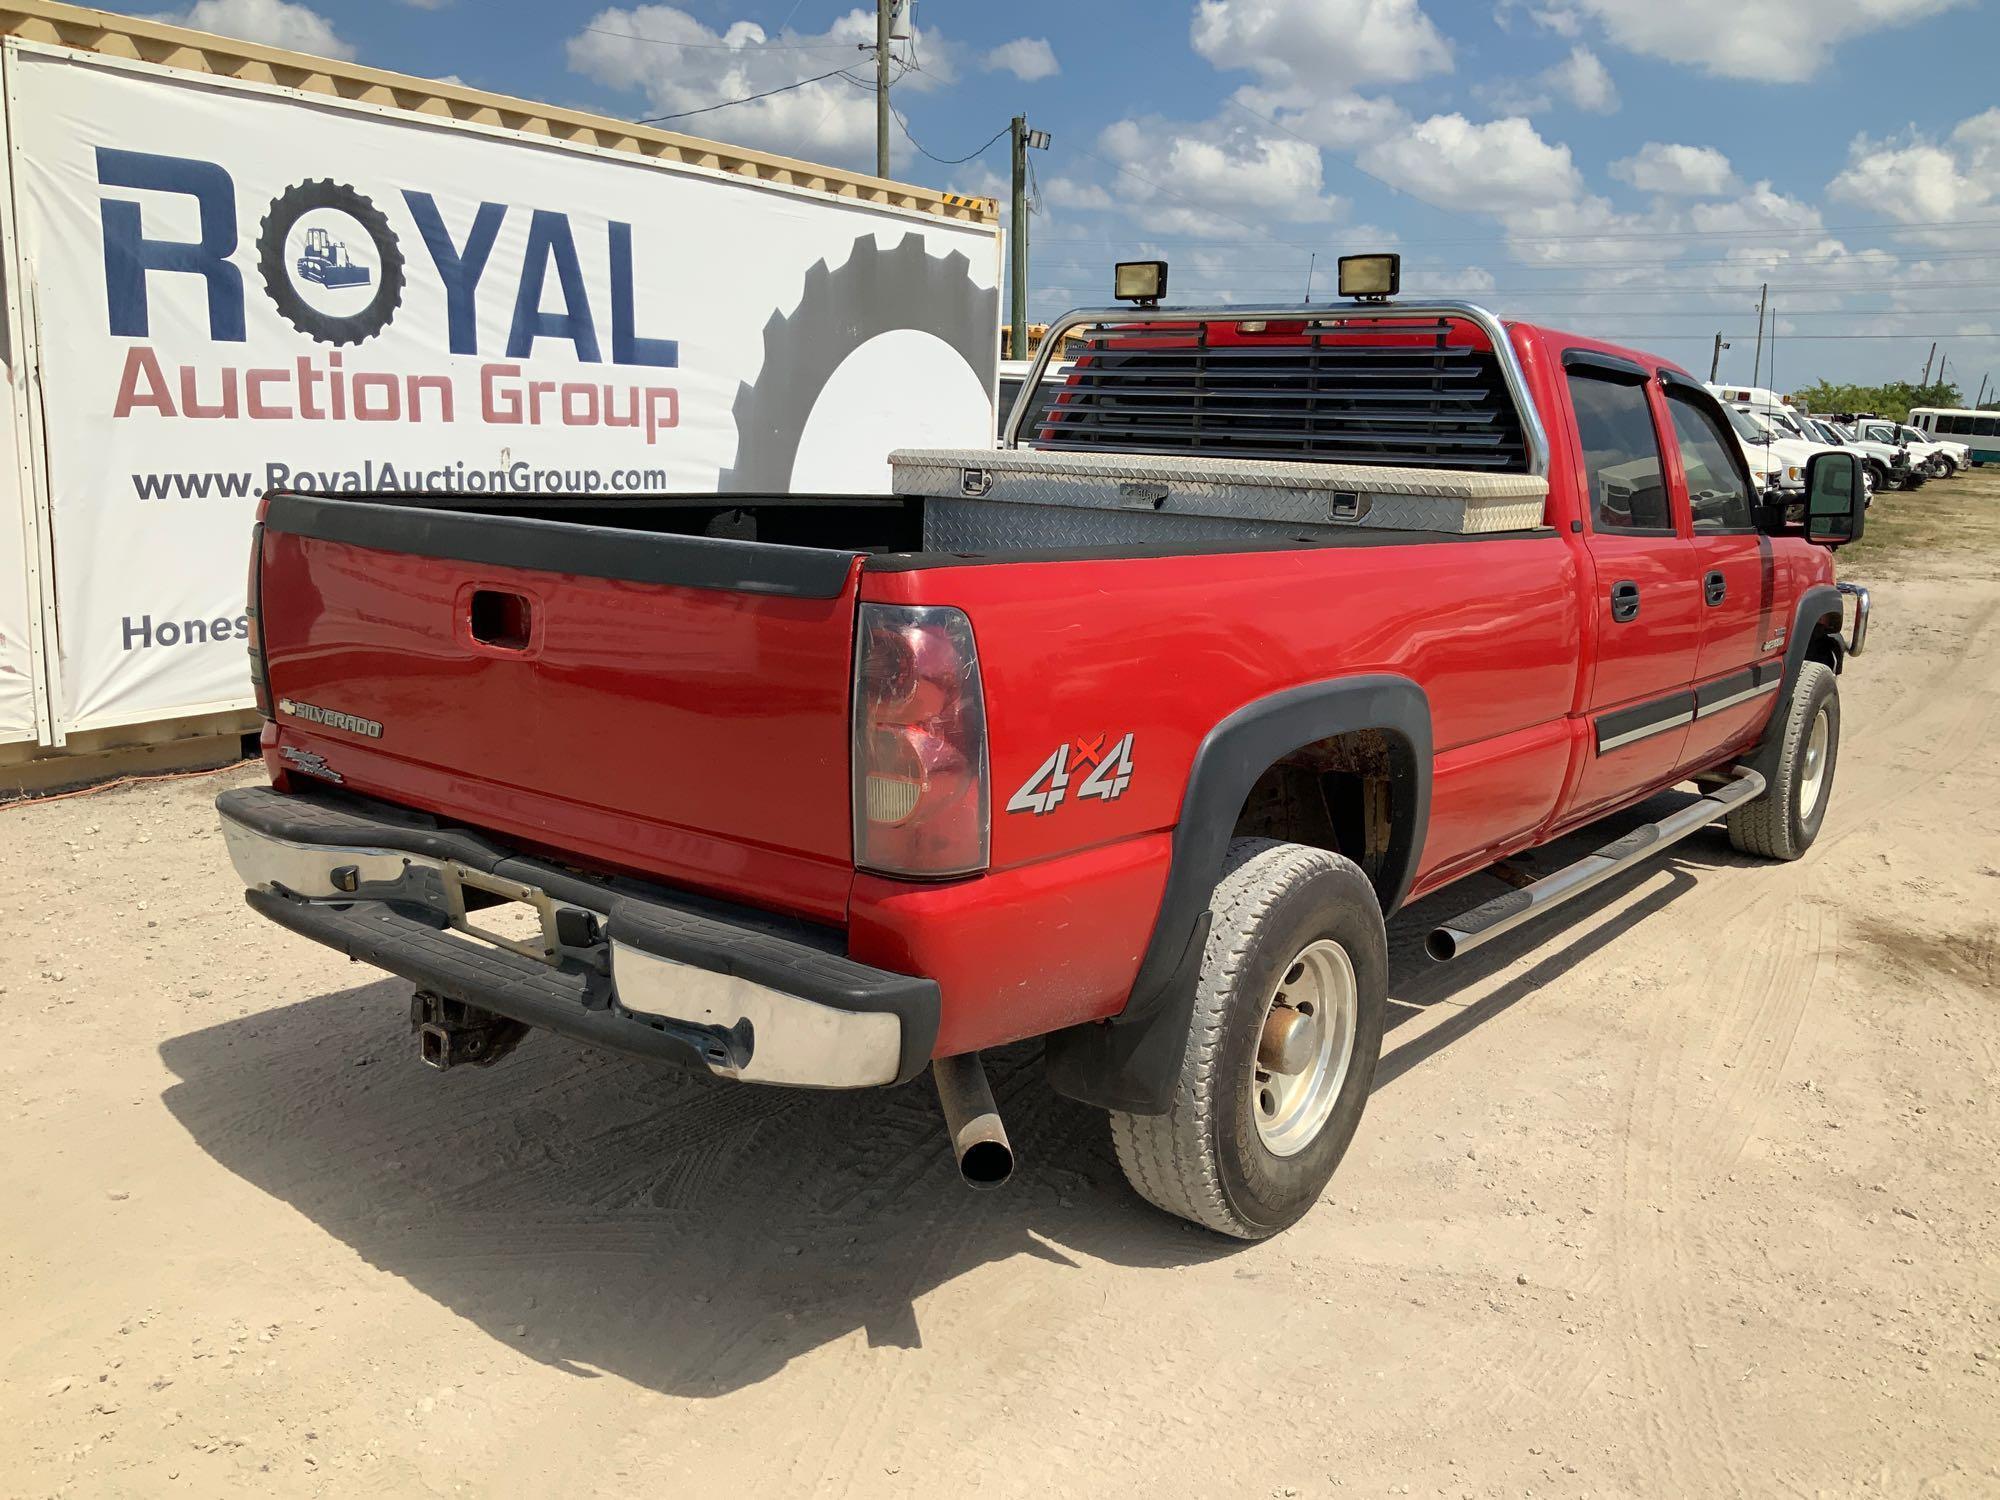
column 286, row 210
column 1783, row 823
column 1283, row 913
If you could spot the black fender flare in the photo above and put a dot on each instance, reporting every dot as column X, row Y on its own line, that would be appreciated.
column 1818, row 602
column 1129, row 1063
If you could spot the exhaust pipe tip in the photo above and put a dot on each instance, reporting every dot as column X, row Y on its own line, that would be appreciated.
column 1442, row 944
column 978, row 1139
column 986, row 1164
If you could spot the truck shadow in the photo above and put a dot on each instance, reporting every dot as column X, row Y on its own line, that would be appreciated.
column 604, row 1215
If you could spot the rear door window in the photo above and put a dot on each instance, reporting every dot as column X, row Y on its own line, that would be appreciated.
column 1716, row 489
column 1621, row 454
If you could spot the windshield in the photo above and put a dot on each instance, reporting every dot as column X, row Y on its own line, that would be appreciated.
column 1746, row 426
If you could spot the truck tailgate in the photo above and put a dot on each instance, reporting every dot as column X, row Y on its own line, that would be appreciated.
column 676, row 706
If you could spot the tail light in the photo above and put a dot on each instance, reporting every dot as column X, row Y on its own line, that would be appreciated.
column 920, row 793
column 253, row 610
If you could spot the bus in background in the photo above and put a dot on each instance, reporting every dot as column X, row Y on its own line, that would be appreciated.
column 1977, row 430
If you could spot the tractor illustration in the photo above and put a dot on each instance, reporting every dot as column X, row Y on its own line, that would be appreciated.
column 326, row 261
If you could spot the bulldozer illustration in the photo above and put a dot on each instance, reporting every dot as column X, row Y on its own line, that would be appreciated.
column 325, row 260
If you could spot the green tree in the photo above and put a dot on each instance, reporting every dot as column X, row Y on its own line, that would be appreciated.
column 1894, row 399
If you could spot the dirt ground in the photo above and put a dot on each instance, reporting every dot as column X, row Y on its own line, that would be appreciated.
column 1694, row 1194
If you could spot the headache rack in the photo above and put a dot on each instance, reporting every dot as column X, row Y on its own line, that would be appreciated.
column 1352, row 383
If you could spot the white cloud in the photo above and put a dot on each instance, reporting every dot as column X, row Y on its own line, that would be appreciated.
column 1580, row 79
column 1775, row 41
column 1215, row 178
column 1584, row 81
column 1560, row 234
column 1067, row 192
column 426, row 4
column 1326, row 44
column 1910, row 183
column 1763, row 207
column 1677, row 171
column 1337, row 121
column 830, row 120
column 1920, row 181
column 1028, row 58
column 276, row 23
column 1494, row 167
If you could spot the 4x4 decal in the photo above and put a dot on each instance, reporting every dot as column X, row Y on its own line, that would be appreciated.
column 1110, row 773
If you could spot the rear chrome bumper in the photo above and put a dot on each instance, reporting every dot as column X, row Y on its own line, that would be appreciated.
column 635, row 968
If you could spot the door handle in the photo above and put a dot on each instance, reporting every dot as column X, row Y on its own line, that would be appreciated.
column 1624, row 600
column 1714, row 588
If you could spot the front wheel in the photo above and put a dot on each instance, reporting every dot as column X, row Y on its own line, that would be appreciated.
column 1282, row 1047
column 1784, row 821
column 1937, row 466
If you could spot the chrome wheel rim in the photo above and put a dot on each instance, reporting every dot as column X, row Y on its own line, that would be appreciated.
column 1291, row 1108
column 1812, row 770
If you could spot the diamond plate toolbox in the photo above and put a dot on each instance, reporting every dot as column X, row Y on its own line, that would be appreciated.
column 1021, row 497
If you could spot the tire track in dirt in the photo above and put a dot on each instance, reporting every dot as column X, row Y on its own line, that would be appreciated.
column 1769, row 973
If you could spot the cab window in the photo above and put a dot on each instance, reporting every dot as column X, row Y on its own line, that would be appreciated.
column 1716, row 491
column 1621, row 454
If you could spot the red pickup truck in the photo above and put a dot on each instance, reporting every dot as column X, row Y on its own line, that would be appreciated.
column 1128, row 735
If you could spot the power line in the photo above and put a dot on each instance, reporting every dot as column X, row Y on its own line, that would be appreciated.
column 747, row 99
column 946, row 161
column 1501, row 233
column 746, row 47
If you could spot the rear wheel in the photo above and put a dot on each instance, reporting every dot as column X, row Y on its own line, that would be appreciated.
column 1281, row 1051
column 1783, row 823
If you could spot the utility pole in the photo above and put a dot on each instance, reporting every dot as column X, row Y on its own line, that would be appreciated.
column 882, row 16
column 1927, row 363
column 1773, row 377
column 1757, row 365
column 1310, row 264
column 1980, row 400
column 1715, row 359
column 1022, row 139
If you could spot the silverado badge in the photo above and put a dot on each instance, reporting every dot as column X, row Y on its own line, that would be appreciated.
column 332, row 718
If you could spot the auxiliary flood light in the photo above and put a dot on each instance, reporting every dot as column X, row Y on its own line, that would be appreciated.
column 1141, row 281
column 1371, row 277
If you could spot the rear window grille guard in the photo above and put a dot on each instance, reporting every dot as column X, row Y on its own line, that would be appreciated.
column 1434, row 405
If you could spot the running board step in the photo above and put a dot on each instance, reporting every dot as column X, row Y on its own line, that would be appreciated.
column 1505, row 912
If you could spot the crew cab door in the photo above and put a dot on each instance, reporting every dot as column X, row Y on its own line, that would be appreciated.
column 1644, row 616
column 1737, row 664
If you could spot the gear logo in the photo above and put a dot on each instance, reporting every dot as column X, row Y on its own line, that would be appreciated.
column 330, row 262
column 878, row 289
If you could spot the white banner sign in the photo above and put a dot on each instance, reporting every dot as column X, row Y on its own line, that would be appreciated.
column 242, row 289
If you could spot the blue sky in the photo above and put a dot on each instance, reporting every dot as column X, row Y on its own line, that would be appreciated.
column 1629, row 168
